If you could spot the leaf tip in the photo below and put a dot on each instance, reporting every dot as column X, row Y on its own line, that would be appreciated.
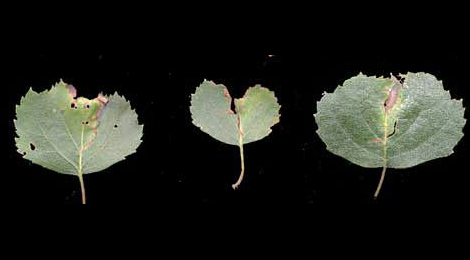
column 31, row 90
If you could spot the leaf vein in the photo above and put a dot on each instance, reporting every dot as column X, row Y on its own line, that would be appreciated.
column 352, row 140
column 368, row 125
column 100, row 148
column 425, row 140
column 28, row 132
column 53, row 145
column 68, row 132
column 411, row 126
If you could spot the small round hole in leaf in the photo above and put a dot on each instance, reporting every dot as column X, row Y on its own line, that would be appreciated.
column 73, row 106
column 115, row 126
column 32, row 147
column 87, row 106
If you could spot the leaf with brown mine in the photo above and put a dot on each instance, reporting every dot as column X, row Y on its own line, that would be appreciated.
column 387, row 123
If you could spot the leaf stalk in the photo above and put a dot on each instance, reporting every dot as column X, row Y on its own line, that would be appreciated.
column 379, row 187
column 82, row 188
column 242, row 159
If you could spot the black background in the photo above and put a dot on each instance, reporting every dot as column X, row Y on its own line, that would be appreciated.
column 177, row 164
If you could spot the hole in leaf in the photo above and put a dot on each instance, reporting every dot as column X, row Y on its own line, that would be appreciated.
column 73, row 106
column 32, row 147
column 401, row 79
column 87, row 106
column 24, row 153
column 115, row 126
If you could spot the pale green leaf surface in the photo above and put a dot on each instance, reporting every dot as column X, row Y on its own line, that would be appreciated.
column 72, row 140
column 355, row 125
column 210, row 110
column 255, row 113
column 258, row 111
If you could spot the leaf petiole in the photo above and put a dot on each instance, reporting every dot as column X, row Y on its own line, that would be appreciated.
column 240, row 179
column 379, row 187
column 82, row 188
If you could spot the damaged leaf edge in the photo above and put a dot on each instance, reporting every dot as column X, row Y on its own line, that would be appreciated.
column 102, row 100
column 231, row 100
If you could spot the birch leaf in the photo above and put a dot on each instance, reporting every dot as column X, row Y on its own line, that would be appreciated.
column 252, row 120
column 75, row 136
column 382, row 122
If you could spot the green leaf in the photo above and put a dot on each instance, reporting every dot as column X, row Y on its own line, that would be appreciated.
column 258, row 111
column 382, row 122
column 75, row 136
column 255, row 114
column 210, row 110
